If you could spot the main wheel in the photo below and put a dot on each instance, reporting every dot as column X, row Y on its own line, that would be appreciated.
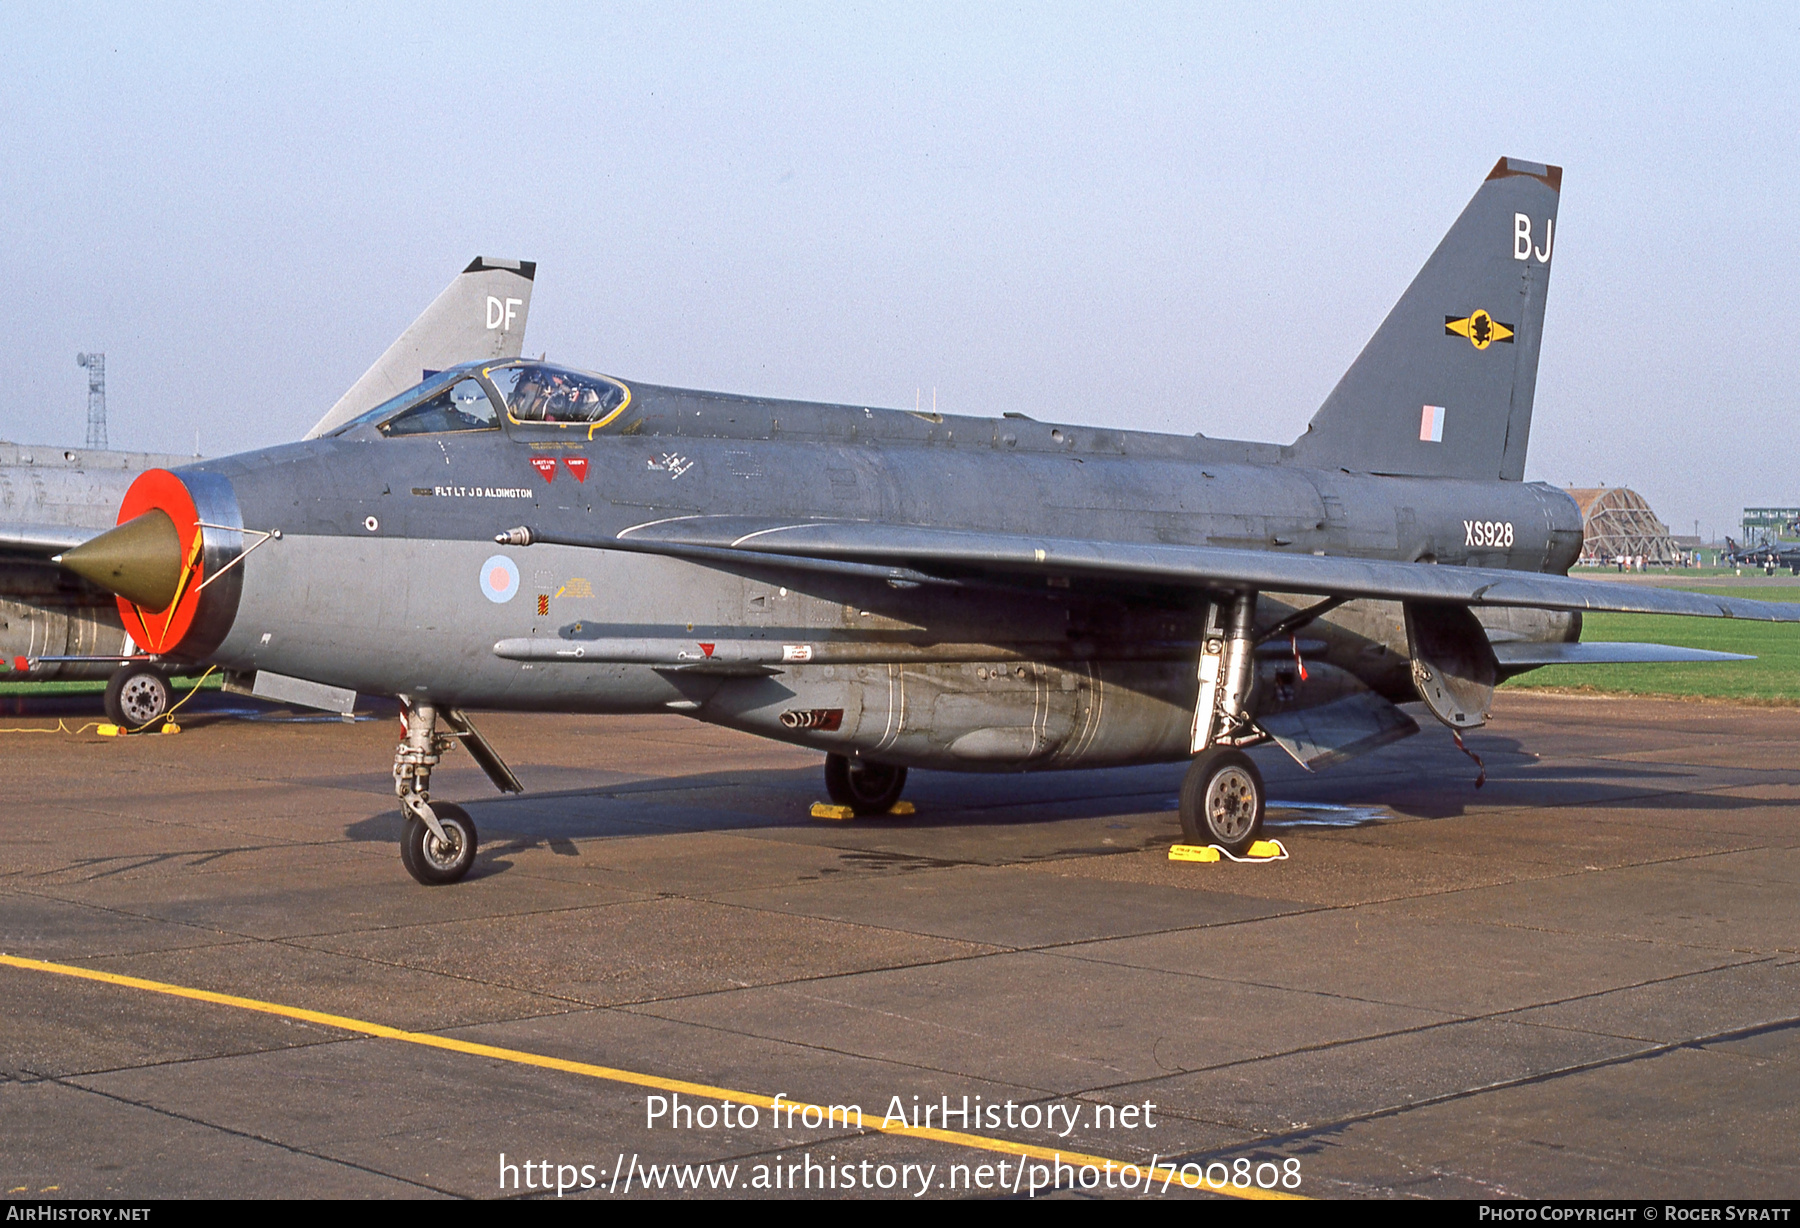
column 867, row 788
column 433, row 861
column 1222, row 800
column 136, row 695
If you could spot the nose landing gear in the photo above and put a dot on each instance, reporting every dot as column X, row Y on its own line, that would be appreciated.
column 439, row 842
column 427, row 849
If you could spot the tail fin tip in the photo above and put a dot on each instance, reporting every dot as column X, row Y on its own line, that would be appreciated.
column 1549, row 176
column 524, row 268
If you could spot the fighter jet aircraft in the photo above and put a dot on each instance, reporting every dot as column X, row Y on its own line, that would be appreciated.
column 56, row 625
column 1765, row 554
column 906, row 589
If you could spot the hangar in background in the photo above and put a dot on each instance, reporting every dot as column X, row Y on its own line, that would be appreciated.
column 1617, row 522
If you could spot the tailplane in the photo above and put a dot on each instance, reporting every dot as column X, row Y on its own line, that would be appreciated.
column 479, row 315
column 1444, row 388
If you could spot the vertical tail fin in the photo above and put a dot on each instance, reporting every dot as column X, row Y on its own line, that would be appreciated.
column 1444, row 387
column 479, row 315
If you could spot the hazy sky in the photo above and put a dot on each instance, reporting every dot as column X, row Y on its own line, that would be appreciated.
column 1183, row 219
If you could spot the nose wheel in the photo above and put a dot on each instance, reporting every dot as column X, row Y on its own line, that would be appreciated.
column 434, row 859
column 867, row 788
column 1222, row 800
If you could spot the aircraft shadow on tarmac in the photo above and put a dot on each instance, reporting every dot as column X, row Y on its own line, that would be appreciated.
column 1421, row 778
column 1417, row 781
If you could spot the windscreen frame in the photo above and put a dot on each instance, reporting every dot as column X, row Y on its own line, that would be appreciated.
column 400, row 402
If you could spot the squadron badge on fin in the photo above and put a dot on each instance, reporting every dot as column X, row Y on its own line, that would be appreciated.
column 1480, row 328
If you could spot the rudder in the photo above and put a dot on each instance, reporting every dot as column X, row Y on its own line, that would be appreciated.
column 1444, row 388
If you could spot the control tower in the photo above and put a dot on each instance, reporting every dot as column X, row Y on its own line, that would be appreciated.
column 96, row 369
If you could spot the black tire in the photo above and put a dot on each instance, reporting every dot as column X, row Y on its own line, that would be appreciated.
column 136, row 696
column 407, row 844
column 867, row 788
column 430, row 862
column 1222, row 800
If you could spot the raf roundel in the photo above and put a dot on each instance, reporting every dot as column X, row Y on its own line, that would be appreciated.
column 499, row 579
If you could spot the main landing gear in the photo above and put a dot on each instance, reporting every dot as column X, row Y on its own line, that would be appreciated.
column 137, row 695
column 867, row 788
column 1222, row 799
column 439, row 841
column 1222, row 794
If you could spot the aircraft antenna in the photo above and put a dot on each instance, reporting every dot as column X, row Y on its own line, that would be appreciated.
column 96, row 369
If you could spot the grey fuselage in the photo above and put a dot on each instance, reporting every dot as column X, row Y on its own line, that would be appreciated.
column 376, row 583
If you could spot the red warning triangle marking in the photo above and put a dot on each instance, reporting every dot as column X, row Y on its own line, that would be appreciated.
column 545, row 465
column 708, row 648
column 577, row 466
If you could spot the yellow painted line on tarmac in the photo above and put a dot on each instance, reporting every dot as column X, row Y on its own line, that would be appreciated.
column 979, row 1142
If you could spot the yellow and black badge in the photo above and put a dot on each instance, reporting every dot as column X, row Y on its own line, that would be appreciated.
column 1481, row 329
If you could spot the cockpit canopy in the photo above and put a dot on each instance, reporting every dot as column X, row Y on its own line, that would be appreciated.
column 475, row 396
column 539, row 392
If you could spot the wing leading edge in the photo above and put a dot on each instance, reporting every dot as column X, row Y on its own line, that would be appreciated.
column 951, row 553
column 43, row 539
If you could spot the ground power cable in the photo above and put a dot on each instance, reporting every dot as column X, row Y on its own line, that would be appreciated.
column 166, row 717
column 63, row 727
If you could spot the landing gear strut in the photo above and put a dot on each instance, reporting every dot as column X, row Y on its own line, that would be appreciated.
column 1227, row 672
column 867, row 788
column 1222, row 795
column 438, row 845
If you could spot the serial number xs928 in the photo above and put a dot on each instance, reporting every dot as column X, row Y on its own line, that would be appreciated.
column 1488, row 533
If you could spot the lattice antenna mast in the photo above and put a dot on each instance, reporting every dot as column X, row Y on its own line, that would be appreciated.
column 96, row 369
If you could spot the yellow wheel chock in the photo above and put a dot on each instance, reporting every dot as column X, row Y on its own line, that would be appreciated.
column 839, row 814
column 1260, row 850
